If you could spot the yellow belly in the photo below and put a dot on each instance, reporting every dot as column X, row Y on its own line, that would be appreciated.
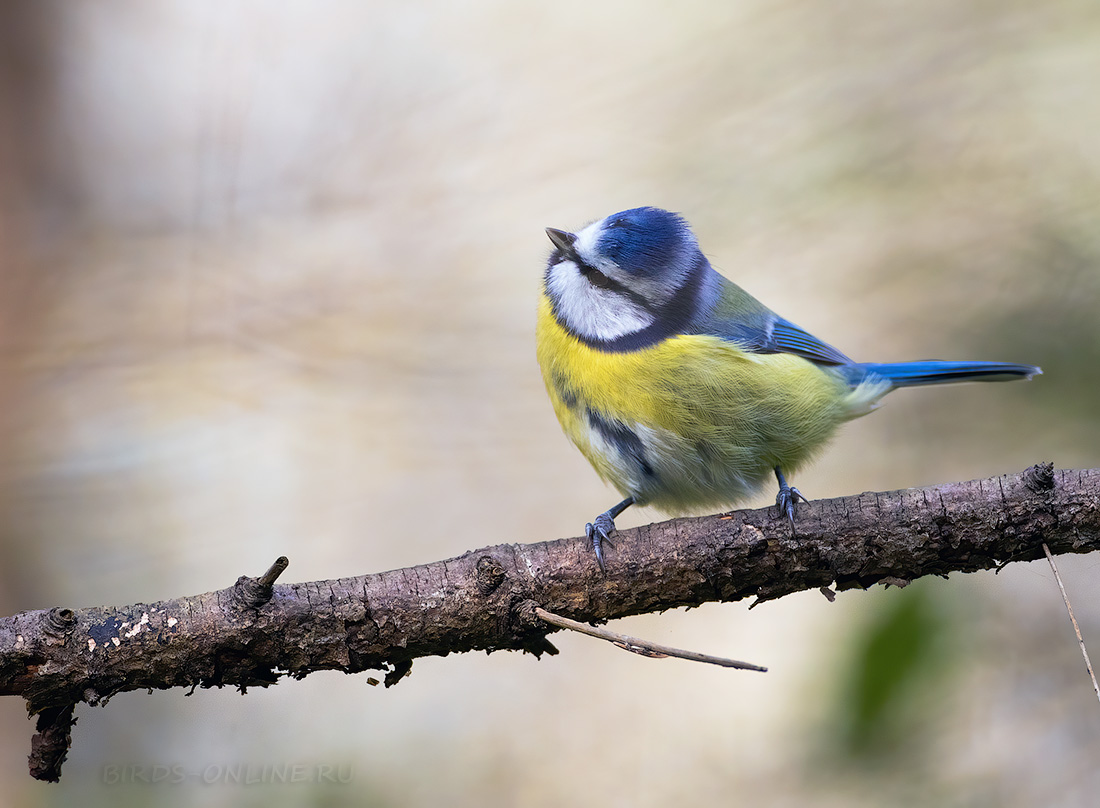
column 712, row 420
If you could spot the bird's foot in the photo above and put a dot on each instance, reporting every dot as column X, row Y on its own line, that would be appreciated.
column 598, row 532
column 603, row 526
column 786, row 498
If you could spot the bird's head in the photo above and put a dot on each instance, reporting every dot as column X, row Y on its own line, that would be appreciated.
column 624, row 274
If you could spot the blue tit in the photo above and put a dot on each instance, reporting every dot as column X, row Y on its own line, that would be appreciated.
column 682, row 389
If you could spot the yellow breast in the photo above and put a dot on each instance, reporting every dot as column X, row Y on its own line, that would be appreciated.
column 693, row 421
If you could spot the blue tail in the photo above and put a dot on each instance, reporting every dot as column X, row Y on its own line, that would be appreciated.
column 932, row 371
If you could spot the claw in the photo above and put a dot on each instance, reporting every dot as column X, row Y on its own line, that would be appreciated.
column 787, row 497
column 599, row 530
column 599, row 533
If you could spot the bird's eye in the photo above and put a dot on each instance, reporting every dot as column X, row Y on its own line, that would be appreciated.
column 594, row 276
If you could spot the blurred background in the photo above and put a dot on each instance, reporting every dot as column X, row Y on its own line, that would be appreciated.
column 268, row 275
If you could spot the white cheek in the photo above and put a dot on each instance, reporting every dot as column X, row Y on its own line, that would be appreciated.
column 591, row 311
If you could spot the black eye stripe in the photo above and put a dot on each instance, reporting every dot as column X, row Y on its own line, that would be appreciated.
column 594, row 276
column 591, row 274
column 597, row 278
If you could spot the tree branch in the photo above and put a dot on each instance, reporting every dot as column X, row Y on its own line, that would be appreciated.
column 254, row 632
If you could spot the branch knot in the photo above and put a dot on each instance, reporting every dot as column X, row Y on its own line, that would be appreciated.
column 1040, row 477
column 255, row 592
column 59, row 622
column 490, row 574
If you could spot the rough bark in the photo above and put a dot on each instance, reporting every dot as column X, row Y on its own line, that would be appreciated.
column 254, row 632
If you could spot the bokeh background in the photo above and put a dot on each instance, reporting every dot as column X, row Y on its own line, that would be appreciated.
column 268, row 274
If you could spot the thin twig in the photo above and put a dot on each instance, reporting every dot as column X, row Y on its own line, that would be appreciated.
column 642, row 647
column 1076, row 628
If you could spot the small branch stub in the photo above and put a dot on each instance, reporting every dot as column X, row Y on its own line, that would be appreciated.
column 51, row 742
column 255, row 592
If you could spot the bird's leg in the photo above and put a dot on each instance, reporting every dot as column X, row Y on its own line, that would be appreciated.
column 787, row 496
column 603, row 526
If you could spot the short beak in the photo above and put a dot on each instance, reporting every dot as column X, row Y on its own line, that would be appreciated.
column 562, row 240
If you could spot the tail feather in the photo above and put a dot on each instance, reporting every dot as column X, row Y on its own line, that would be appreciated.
column 932, row 371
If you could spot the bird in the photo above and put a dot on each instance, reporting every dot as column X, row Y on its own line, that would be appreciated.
column 683, row 390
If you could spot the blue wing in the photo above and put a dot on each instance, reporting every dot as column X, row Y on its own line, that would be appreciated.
column 786, row 337
column 735, row 315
